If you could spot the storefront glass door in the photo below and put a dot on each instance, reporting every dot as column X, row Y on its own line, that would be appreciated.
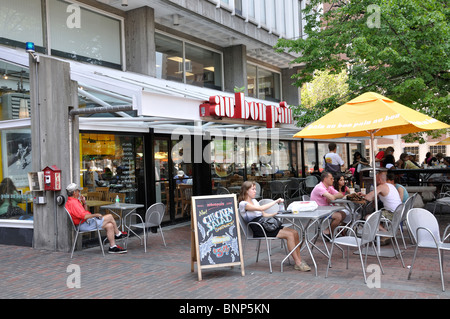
column 173, row 176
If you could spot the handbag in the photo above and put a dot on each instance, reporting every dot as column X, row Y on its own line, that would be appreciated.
column 269, row 224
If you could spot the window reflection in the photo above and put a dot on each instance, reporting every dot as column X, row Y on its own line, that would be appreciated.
column 199, row 66
column 169, row 58
column 113, row 165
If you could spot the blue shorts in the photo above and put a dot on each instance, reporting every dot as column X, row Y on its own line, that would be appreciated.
column 91, row 224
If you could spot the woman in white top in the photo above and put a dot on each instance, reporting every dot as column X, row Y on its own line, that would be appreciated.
column 250, row 210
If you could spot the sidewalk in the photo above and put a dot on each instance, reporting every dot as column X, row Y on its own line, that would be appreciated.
column 164, row 272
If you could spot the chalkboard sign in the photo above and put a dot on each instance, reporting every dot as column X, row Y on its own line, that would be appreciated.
column 216, row 231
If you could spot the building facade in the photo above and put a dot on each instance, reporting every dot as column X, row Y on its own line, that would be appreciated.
column 138, row 97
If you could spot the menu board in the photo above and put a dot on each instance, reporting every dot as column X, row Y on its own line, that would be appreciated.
column 216, row 232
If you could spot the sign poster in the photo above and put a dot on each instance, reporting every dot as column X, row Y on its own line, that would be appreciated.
column 216, row 231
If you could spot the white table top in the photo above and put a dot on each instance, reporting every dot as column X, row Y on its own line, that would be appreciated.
column 320, row 212
column 122, row 206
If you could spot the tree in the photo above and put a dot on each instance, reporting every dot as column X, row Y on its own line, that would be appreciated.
column 322, row 90
column 398, row 48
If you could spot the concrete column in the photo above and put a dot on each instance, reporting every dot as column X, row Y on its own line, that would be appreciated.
column 291, row 93
column 140, row 41
column 235, row 67
column 52, row 94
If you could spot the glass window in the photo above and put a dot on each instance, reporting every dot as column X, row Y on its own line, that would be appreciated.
column 281, row 160
column 161, row 155
column 260, row 164
column 169, row 58
column 82, row 34
column 263, row 11
column 20, row 22
column 268, row 85
column 251, row 9
column 438, row 149
column 267, row 82
column 203, row 67
column 114, row 162
column 238, row 7
column 341, row 150
column 14, row 92
column 15, row 195
column 199, row 66
column 226, row 163
column 311, row 164
column 251, row 80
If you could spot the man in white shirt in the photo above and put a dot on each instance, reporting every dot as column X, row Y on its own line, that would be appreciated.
column 332, row 162
column 389, row 196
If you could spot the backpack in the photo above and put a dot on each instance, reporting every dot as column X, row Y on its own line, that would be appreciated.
column 332, row 168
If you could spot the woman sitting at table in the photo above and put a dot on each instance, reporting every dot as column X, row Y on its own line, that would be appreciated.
column 251, row 211
column 391, row 179
column 339, row 184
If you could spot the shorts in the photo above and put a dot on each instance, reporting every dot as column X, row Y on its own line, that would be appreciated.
column 258, row 232
column 387, row 214
column 91, row 224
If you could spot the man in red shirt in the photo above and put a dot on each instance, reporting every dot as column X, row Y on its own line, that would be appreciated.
column 381, row 155
column 76, row 206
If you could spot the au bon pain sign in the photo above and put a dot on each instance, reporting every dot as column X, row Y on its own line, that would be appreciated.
column 239, row 108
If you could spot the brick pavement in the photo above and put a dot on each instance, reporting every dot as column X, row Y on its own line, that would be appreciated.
column 164, row 272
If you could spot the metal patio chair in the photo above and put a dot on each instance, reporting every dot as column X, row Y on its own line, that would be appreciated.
column 248, row 233
column 153, row 218
column 425, row 230
column 369, row 231
column 76, row 228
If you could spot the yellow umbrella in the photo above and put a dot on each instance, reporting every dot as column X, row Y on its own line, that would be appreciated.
column 370, row 114
column 444, row 142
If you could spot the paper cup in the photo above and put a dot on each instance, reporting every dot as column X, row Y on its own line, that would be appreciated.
column 363, row 191
column 351, row 190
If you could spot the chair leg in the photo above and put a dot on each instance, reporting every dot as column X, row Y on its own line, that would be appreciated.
column 268, row 254
column 74, row 244
column 144, row 239
column 399, row 251
column 162, row 235
column 329, row 259
column 378, row 257
column 441, row 261
column 412, row 263
column 257, row 250
column 362, row 262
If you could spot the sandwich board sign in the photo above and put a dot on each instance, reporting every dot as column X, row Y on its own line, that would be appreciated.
column 216, row 238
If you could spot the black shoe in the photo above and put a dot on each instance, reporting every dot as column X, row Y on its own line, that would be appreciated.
column 122, row 234
column 117, row 250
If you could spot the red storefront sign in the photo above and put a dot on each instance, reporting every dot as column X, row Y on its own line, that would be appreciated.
column 239, row 108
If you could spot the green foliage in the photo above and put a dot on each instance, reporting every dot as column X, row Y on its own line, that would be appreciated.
column 239, row 90
column 398, row 48
column 323, row 86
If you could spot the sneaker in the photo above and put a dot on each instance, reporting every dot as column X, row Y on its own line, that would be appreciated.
column 303, row 267
column 122, row 234
column 117, row 250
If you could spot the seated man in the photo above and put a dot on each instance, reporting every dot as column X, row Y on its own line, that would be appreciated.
column 387, row 193
column 389, row 196
column 76, row 207
column 323, row 193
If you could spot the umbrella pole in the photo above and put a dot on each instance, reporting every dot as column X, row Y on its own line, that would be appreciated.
column 372, row 143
